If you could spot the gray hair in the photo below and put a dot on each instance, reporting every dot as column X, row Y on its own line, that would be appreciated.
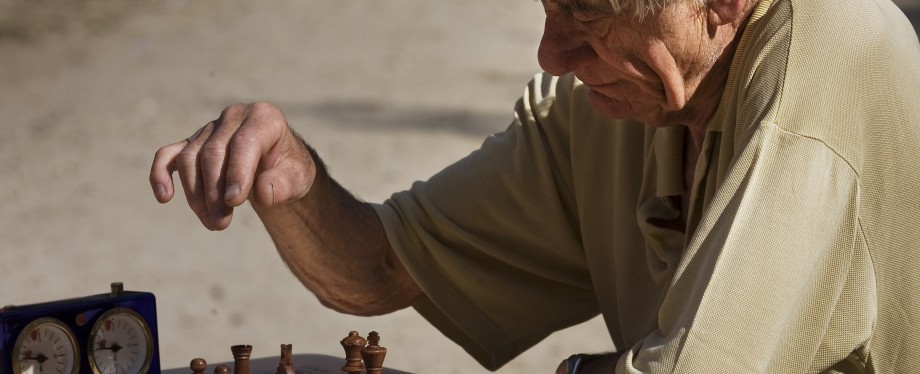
column 642, row 8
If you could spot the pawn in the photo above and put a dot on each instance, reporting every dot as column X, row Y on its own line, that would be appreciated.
column 352, row 345
column 222, row 369
column 198, row 365
column 373, row 354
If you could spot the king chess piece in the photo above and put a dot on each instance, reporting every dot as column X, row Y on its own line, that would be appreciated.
column 353, row 343
column 373, row 354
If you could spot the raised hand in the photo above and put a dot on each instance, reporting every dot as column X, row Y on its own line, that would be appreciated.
column 249, row 152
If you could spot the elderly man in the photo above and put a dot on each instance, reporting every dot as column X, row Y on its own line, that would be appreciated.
column 732, row 184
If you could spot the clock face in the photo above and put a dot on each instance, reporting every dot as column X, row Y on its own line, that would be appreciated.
column 45, row 345
column 120, row 343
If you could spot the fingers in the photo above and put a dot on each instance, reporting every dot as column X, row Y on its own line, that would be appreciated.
column 219, row 165
column 188, row 164
column 213, row 160
column 164, row 164
column 254, row 145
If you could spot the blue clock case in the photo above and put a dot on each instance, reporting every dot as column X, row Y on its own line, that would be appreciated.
column 87, row 309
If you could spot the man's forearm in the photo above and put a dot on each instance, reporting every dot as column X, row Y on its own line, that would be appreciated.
column 336, row 245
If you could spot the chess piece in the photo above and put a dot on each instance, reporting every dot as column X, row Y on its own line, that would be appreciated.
column 222, row 369
column 373, row 354
column 353, row 343
column 285, row 366
column 198, row 365
column 241, row 355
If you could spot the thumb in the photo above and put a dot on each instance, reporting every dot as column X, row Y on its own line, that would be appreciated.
column 283, row 183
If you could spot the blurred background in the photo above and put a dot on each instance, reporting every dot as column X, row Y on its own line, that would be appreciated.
column 388, row 92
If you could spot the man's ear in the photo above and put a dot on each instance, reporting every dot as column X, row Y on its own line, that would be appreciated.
column 723, row 12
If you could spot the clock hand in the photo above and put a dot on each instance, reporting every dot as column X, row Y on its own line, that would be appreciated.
column 41, row 358
column 114, row 347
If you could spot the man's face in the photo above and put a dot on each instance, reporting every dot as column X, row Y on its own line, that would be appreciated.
column 634, row 69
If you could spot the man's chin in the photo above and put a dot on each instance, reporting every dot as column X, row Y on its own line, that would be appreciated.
column 619, row 109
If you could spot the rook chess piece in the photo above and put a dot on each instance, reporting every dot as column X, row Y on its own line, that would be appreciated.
column 285, row 366
column 373, row 354
column 222, row 369
column 353, row 343
column 198, row 365
column 241, row 358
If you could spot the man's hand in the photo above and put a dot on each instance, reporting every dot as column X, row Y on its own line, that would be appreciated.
column 333, row 242
column 599, row 363
column 248, row 152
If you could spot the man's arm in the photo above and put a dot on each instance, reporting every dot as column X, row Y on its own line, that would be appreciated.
column 332, row 242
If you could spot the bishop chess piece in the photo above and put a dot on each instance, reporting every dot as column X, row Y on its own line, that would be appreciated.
column 353, row 343
column 284, row 365
column 241, row 355
column 373, row 354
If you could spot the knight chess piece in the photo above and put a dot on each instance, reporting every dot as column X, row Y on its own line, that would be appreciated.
column 373, row 354
column 198, row 366
column 222, row 369
column 353, row 343
column 285, row 366
column 241, row 355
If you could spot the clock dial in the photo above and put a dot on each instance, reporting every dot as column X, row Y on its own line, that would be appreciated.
column 120, row 343
column 45, row 345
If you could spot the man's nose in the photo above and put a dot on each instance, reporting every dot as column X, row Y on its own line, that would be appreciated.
column 564, row 47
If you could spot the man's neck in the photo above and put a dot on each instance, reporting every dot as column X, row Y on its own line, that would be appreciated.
column 702, row 106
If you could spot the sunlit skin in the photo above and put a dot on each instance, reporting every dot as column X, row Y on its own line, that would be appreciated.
column 666, row 69
column 669, row 68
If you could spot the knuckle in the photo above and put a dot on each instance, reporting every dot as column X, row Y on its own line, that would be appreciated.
column 163, row 152
column 212, row 154
column 246, row 137
column 213, row 194
column 212, row 149
column 233, row 108
column 186, row 158
column 263, row 107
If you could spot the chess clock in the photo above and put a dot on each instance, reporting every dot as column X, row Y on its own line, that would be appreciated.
column 115, row 332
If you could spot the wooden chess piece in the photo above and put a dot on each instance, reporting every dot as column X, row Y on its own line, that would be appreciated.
column 241, row 355
column 353, row 343
column 285, row 366
column 373, row 354
column 198, row 365
column 222, row 369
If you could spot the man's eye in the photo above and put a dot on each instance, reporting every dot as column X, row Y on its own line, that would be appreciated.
column 584, row 17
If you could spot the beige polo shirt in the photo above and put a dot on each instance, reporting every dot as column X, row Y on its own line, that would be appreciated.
column 804, row 221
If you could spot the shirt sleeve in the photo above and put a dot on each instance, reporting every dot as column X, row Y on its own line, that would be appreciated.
column 777, row 277
column 493, row 239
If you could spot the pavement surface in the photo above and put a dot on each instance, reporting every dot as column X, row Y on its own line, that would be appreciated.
column 389, row 92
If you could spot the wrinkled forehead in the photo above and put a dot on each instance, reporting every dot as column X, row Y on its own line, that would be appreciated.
column 636, row 8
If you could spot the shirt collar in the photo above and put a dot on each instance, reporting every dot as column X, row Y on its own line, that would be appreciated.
column 723, row 110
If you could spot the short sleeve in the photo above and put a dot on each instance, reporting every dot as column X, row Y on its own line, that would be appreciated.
column 493, row 239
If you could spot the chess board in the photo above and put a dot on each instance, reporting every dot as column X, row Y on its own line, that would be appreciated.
column 303, row 364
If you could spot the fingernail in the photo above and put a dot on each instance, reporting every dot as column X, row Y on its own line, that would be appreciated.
column 160, row 191
column 232, row 192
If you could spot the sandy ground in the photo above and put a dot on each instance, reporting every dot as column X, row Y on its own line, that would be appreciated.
column 389, row 92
